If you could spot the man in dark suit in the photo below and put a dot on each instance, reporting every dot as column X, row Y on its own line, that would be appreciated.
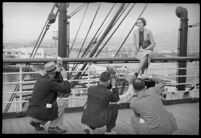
column 43, row 106
column 98, row 112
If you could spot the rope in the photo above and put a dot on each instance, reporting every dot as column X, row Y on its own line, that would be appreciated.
column 47, row 25
column 114, row 31
column 78, row 9
column 89, row 29
column 79, row 28
column 79, row 75
column 98, row 30
column 88, row 47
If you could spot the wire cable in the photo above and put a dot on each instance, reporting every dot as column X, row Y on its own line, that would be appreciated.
column 114, row 31
column 79, row 28
column 89, row 29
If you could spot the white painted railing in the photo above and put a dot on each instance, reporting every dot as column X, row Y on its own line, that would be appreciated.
column 170, row 89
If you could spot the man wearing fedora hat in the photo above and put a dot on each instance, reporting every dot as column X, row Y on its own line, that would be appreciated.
column 43, row 106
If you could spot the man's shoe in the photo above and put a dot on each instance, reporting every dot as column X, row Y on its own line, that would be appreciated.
column 111, row 133
column 56, row 130
column 37, row 126
column 88, row 130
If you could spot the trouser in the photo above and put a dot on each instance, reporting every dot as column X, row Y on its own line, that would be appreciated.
column 112, row 116
column 58, row 122
column 144, row 128
column 139, row 128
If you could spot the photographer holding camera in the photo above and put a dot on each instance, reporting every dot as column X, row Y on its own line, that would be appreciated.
column 43, row 106
column 149, row 107
column 98, row 111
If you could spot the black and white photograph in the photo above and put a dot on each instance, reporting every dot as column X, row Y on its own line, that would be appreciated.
column 100, row 68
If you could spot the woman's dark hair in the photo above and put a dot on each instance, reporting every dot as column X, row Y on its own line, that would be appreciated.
column 143, row 20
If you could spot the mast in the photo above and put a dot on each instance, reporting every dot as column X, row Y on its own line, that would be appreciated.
column 63, row 33
column 182, row 13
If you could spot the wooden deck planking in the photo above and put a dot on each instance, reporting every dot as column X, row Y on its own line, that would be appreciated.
column 6, row 127
column 71, row 120
column 123, row 120
column 187, row 117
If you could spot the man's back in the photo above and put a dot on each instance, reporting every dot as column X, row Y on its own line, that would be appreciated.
column 98, row 101
column 156, row 116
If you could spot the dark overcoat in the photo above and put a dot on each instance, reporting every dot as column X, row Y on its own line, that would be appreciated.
column 97, row 111
column 45, row 92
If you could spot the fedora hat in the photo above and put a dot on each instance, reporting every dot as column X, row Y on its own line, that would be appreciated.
column 51, row 67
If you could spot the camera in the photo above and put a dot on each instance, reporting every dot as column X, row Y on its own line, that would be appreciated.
column 149, row 83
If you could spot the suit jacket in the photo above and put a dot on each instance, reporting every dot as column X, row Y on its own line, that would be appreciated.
column 45, row 92
column 147, row 36
column 96, row 112
column 149, row 107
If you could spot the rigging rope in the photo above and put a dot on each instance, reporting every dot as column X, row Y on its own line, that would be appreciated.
column 89, row 29
column 79, row 74
column 75, row 65
column 78, row 9
column 115, row 21
column 47, row 25
column 94, row 39
column 114, row 31
column 79, row 28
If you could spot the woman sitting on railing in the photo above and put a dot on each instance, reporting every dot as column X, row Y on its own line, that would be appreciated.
column 144, row 44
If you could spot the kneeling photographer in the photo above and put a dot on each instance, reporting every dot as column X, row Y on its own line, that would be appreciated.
column 43, row 105
column 149, row 107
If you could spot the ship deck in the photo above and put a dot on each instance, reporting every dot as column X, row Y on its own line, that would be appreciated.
column 187, row 117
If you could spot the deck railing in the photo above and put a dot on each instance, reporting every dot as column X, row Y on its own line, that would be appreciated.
column 170, row 91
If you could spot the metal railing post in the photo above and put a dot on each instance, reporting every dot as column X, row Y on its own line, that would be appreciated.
column 20, row 83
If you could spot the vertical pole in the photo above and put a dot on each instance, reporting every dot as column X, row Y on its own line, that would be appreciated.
column 67, row 46
column 62, row 34
column 20, row 94
column 182, row 13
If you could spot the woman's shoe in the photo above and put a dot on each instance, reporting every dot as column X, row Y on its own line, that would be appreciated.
column 136, row 74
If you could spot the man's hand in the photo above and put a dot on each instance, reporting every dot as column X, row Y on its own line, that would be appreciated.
column 113, row 82
column 64, row 74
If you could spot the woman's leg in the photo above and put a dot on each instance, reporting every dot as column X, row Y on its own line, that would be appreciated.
column 141, row 65
column 146, row 64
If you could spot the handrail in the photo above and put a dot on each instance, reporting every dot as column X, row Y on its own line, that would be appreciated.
column 98, row 60
column 92, row 60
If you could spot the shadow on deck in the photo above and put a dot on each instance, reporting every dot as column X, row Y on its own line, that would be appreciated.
column 187, row 117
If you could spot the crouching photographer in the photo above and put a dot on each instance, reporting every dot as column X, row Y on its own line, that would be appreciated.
column 43, row 105
column 149, row 107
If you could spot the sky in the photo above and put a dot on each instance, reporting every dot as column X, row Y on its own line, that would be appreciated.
column 24, row 21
